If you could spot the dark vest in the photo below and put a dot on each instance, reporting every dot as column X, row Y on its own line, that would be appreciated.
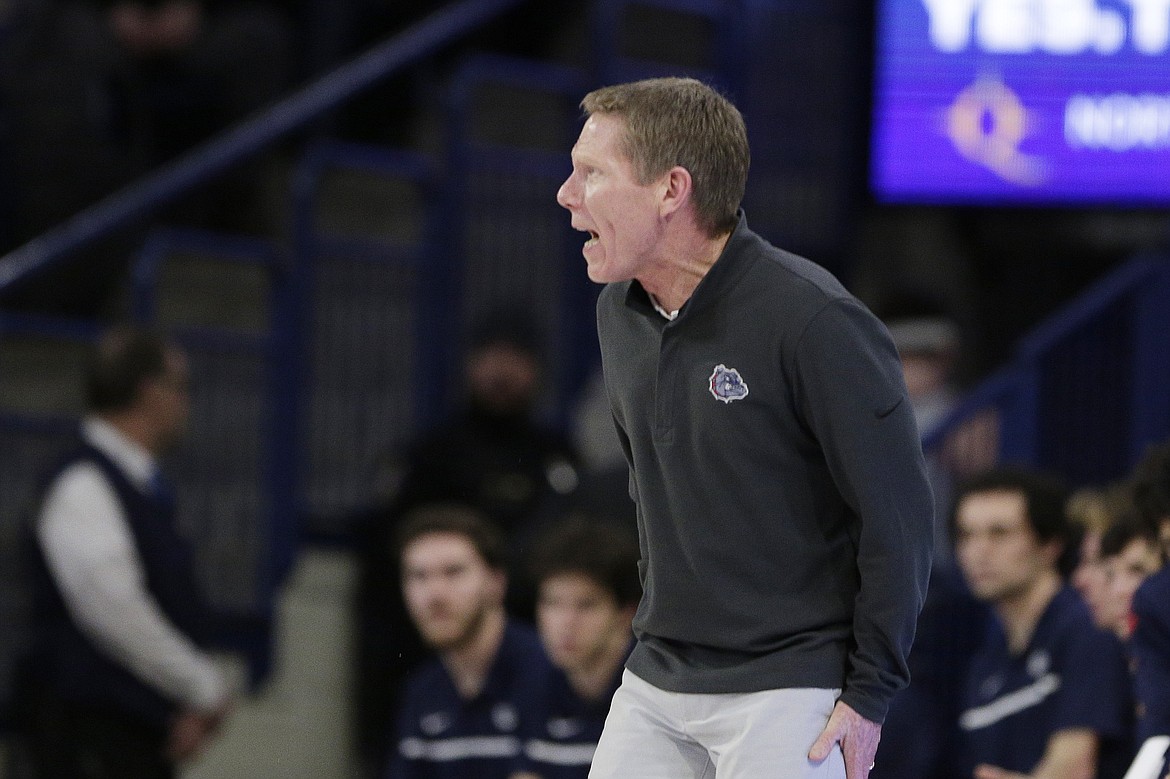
column 67, row 663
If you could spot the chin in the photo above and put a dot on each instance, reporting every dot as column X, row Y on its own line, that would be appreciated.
column 987, row 592
column 566, row 655
column 606, row 275
column 596, row 274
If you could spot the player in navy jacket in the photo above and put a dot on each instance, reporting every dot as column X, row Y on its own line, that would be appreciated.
column 1149, row 644
column 1047, row 694
column 462, row 712
column 586, row 574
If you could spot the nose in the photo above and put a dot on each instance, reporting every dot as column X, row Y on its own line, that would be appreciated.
column 567, row 195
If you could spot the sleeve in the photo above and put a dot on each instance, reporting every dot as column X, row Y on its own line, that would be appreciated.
column 1100, row 701
column 850, row 392
column 1150, row 649
column 92, row 558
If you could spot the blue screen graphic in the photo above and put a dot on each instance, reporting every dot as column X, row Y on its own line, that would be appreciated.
column 1022, row 101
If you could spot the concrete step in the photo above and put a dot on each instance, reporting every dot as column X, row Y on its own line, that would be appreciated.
column 299, row 726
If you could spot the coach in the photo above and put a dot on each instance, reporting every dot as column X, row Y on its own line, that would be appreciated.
column 783, row 508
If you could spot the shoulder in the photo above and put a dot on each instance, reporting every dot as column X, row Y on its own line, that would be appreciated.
column 81, row 471
column 1066, row 616
column 521, row 655
column 79, row 489
column 1153, row 596
column 798, row 295
column 1070, row 632
column 522, row 644
column 424, row 680
column 775, row 271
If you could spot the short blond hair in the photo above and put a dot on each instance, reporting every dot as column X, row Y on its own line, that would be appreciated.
column 681, row 121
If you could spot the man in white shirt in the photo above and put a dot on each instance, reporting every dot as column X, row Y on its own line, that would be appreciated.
column 122, row 687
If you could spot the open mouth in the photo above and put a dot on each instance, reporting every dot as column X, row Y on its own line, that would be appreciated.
column 593, row 238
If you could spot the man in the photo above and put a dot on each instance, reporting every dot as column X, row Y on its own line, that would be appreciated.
column 1149, row 644
column 496, row 454
column 783, row 509
column 1047, row 694
column 1092, row 512
column 586, row 573
column 122, row 687
column 1130, row 554
column 462, row 711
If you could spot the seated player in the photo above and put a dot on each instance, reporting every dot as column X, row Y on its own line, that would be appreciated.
column 1149, row 644
column 462, row 712
column 1047, row 694
column 587, row 591
column 1129, row 554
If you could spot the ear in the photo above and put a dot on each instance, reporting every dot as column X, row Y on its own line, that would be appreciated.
column 676, row 189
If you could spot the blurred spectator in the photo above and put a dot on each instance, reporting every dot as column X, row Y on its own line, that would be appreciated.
column 927, row 340
column 1091, row 512
column 96, row 93
column 587, row 591
column 462, row 712
column 493, row 456
column 1151, row 492
column 1129, row 555
column 1029, row 707
column 119, row 685
column 1149, row 644
column 928, row 343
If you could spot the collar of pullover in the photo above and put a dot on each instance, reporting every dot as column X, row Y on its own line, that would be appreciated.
column 722, row 275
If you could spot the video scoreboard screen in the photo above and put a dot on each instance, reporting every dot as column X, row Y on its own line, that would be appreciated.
column 1022, row 101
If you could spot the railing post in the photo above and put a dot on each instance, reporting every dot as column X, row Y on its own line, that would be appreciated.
column 1019, row 436
column 1150, row 418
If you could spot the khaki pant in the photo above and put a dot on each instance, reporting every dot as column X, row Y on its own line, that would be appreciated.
column 655, row 734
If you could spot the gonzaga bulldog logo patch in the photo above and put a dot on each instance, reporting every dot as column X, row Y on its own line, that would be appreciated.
column 727, row 385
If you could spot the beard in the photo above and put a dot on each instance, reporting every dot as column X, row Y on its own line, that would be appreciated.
column 456, row 632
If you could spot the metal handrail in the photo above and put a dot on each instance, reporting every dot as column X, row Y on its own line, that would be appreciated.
column 246, row 139
column 1013, row 383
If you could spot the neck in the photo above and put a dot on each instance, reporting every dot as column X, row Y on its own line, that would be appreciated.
column 469, row 663
column 134, row 428
column 1020, row 613
column 673, row 281
column 592, row 682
